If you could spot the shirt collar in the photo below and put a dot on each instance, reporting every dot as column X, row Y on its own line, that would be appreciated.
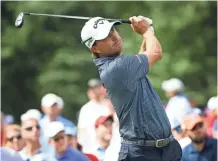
column 101, row 61
column 207, row 145
column 101, row 149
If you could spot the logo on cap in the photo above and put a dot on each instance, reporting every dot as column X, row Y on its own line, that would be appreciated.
column 99, row 21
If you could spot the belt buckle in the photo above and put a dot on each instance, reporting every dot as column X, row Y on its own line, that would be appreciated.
column 161, row 143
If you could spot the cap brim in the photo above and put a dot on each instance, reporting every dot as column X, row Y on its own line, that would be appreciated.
column 192, row 124
column 55, row 133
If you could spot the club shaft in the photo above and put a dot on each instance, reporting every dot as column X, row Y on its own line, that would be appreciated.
column 60, row 16
column 72, row 17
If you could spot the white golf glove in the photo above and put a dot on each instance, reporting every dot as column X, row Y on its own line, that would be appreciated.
column 149, row 21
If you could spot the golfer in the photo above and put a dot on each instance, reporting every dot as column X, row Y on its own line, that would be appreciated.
column 144, row 126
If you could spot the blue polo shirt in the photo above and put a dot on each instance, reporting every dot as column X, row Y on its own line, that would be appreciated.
column 138, row 107
column 72, row 155
column 208, row 153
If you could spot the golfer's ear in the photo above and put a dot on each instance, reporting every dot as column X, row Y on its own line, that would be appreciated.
column 94, row 49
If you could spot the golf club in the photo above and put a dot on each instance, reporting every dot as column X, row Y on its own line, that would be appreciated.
column 20, row 18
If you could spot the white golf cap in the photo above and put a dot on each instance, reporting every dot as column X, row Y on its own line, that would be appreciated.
column 50, row 99
column 71, row 131
column 173, row 85
column 60, row 102
column 96, row 28
column 54, row 128
column 212, row 103
column 34, row 113
column 31, row 114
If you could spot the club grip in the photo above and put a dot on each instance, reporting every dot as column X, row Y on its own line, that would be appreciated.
column 125, row 21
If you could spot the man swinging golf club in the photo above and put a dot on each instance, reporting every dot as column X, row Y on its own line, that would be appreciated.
column 144, row 126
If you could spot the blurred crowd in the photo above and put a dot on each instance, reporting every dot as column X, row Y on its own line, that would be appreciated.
column 46, row 135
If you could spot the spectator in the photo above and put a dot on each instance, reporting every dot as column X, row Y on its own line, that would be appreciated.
column 31, row 133
column 178, row 105
column 2, row 135
column 103, row 127
column 212, row 107
column 202, row 147
column 185, row 140
column 58, row 140
column 72, row 138
column 112, row 152
column 52, row 105
column 95, row 108
column 8, row 154
column 214, row 130
column 14, row 138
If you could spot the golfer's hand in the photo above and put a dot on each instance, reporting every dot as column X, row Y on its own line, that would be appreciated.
column 139, row 24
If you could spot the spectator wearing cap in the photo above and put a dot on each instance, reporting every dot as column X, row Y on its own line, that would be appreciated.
column 112, row 152
column 58, row 140
column 72, row 138
column 178, row 105
column 89, row 112
column 211, row 118
column 13, row 137
column 202, row 147
column 52, row 106
column 103, row 126
column 30, row 130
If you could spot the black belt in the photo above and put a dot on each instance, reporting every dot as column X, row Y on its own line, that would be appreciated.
column 154, row 143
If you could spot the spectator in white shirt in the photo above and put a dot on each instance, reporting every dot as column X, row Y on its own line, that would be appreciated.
column 95, row 108
column 178, row 105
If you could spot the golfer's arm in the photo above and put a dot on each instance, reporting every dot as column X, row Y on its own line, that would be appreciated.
column 143, row 47
column 151, row 47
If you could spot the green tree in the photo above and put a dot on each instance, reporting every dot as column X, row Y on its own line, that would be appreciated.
column 46, row 54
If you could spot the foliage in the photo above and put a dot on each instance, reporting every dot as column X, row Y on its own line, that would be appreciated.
column 46, row 54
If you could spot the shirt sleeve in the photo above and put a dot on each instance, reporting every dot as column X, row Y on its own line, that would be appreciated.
column 135, row 66
column 131, row 68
